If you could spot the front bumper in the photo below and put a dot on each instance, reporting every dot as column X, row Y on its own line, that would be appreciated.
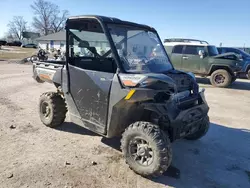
column 184, row 117
column 188, row 121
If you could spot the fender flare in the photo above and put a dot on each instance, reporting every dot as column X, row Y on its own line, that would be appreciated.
column 226, row 67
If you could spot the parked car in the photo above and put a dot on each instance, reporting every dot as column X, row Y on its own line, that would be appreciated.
column 204, row 60
column 29, row 46
column 3, row 42
column 245, row 71
column 14, row 43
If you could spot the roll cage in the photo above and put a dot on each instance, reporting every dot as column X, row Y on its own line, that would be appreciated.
column 95, row 23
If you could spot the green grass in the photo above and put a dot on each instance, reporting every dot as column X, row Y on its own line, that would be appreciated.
column 16, row 52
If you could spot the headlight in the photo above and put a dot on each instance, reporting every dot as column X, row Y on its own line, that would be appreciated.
column 131, row 80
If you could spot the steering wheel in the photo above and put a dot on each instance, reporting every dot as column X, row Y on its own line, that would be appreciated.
column 147, row 65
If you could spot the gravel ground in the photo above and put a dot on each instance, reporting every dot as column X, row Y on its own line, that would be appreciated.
column 32, row 155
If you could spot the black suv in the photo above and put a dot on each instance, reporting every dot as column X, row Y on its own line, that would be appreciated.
column 244, row 56
column 14, row 43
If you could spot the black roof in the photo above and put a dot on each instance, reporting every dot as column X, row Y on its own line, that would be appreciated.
column 59, row 36
column 112, row 20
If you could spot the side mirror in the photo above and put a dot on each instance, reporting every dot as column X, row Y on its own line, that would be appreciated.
column 201, row 54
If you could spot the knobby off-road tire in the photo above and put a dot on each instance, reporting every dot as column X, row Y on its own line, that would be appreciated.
column 205, row 124
column 52, row 109
column 146, row 149
column 221, row 78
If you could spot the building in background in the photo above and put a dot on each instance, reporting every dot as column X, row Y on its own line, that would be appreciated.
column 53, row 41
column 57, row 41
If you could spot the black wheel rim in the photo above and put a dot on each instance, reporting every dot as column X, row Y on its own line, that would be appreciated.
column 219, row 79
column 141, row 152
column 45, row 110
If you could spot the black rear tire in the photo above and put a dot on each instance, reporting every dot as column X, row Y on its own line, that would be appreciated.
column 52, row 109
column 146, row 149
column 204, row 126
column 221, row 78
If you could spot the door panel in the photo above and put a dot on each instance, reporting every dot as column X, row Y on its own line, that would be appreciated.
column 90, row 73
column 176, row 59
column 90, row 91
column 191, row 61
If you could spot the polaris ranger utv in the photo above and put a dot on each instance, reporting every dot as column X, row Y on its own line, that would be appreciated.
column 111, row 84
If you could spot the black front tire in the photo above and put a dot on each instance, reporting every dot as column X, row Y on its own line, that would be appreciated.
column 52, row 109
column 221, row 78
column 204, row 126
column 155, row 158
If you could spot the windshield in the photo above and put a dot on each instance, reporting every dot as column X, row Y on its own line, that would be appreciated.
column 140, row 51
column 212, row 51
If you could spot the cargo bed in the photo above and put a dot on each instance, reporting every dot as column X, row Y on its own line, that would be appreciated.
column 48, row 71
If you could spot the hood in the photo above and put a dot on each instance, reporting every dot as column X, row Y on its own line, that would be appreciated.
column 225, row 55
column 183, row 80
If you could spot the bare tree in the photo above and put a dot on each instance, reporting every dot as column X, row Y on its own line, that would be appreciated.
column 48, row 17
column 16, row 27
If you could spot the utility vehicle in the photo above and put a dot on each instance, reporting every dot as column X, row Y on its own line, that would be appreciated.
column 203, row 59
column 112, row 85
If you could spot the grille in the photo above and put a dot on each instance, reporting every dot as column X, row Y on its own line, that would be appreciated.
column 183, row 81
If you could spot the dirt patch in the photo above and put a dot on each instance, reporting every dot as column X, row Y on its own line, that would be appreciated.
column 114, row 158
column 28, row 128
column 36, row 155
column 9, row 104
column 103, row 150
column 110, row 154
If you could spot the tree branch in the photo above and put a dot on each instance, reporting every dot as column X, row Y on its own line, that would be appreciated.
column 17, row 26
column 47, row 16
